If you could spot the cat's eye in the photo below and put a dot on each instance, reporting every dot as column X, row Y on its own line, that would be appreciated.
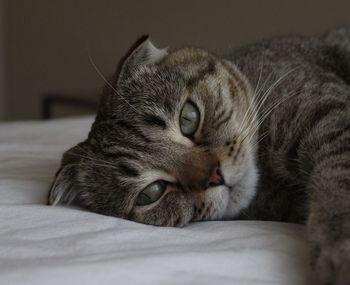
column 151, row 193
column 189, row 119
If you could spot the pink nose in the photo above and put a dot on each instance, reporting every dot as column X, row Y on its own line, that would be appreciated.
column 216, row 178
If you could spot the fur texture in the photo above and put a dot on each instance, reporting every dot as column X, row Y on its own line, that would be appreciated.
column 278, row 109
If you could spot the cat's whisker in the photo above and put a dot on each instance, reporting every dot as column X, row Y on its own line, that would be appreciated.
column 252, row 102
column 100, row 162
column 249, row 109
column 97, row 164
column 260, row 73
column 96, row 159
column 266, row 113
column 260, row 90
column 269, row 109
column 259, row 103
column 108, row 83
column 269, row 91
column 261, row 99
column 256, row 90
column 261, row 137
column 243, row 211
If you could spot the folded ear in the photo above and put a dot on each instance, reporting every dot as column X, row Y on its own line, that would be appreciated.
column 142, row 52
column 64, row 188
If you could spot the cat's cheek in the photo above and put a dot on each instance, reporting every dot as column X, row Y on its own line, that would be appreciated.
column 243, row 190
column 175, row 209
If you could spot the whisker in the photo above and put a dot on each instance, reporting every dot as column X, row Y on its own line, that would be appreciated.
column 273, row 106
column 260, row 103
column 107, row 82
column 269, row 91
column 260, row 73
column 246, row 214
column 257, row 87
column 249, row 109
column 252, row 102
column 105, row 163
column 264, row 135
column 266, row 113
column 261, row 100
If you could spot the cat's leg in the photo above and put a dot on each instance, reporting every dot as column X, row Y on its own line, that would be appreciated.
column 320, row 151
column 329, row 216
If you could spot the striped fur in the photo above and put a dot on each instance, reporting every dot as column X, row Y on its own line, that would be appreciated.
column 279, row 108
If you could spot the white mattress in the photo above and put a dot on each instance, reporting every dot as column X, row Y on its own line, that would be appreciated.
column 41, row 244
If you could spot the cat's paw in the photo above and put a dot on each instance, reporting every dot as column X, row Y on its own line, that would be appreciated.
column 333, row 264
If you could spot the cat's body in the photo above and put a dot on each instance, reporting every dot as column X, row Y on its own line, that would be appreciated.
column 184, row 136
column 315, row 74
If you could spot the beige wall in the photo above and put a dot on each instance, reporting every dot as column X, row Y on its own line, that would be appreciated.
column 47, row 41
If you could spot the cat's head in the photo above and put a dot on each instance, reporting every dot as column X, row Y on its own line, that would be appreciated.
column 173, row 141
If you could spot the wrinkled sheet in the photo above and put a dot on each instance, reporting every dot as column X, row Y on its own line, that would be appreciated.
column 41, row 244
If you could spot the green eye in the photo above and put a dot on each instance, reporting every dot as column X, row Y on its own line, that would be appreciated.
column 151, row 193
column 189, row 119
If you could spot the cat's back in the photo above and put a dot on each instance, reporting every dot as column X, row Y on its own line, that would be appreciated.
column 328, row 53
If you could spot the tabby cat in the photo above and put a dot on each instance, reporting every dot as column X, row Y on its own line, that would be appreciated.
column 260, row 133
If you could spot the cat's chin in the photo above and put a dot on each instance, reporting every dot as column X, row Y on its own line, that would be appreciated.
column 242, row 192
column 228, row 201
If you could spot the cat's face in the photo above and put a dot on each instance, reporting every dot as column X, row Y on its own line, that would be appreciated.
column 172, row 142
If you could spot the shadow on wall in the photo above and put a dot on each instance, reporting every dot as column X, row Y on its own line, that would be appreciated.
column 47, row 41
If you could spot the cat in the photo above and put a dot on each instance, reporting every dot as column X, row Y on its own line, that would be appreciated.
column 262, row 132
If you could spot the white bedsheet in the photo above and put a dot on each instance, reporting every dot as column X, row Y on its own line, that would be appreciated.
column 41, row 244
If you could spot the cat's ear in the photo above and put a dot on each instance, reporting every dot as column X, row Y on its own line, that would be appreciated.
column 142, row 52
column 64, row 188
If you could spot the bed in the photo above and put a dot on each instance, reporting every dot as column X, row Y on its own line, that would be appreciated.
column 40, row 244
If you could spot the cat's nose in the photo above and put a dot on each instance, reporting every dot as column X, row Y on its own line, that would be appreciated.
column 216, row 178
column 199, row 172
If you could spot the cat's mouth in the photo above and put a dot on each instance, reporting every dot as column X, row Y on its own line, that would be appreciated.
column 228, row 187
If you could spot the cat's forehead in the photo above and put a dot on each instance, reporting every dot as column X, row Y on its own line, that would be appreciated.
column 187, row 56
column 154, row 84
column 178, row 67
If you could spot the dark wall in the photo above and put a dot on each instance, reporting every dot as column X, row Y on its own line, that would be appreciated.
column 47, row 41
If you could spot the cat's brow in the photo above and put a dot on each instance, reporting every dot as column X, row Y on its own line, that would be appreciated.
column 154, row 120
column 209, row 69
column 127, row 170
